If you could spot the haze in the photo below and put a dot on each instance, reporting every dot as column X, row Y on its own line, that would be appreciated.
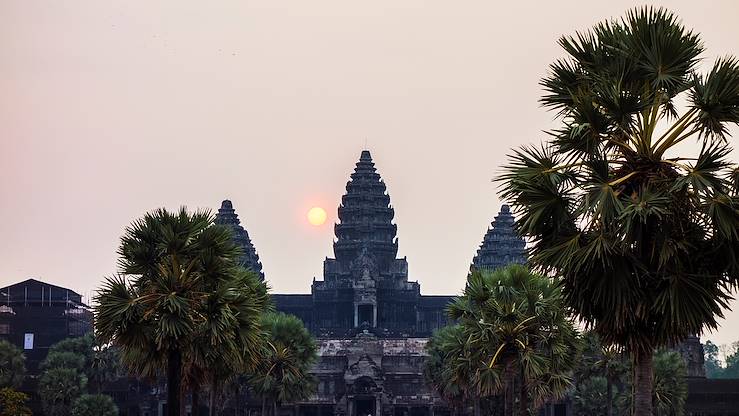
column 111, row 109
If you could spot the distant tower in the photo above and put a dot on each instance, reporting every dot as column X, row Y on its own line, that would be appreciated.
column 501, row 245
column 249, row 259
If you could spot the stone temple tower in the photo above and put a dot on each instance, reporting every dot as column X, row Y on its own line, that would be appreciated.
column 365, row 285
column 501, row 245
column 249, row 259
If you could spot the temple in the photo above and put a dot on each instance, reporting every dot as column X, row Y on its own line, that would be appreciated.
column 365, row 286
column 249, row 257
column 370, row 321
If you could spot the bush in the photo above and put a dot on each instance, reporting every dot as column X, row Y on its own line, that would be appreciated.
column 59, row 388
column 94, row 405
column 13, row 403
column 12, row 365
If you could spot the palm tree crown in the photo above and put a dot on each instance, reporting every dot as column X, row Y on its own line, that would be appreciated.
column 646, row 242
column 181, row 300
column 518, row 329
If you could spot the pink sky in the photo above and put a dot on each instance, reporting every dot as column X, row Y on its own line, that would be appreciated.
column 110, row 109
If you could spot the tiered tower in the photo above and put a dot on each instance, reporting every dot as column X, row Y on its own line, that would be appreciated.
column 501, row 245
column 249, row 259
column 365, row 284
column 366, row 216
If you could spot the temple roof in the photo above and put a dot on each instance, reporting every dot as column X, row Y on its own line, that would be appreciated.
column 501, row 245
column 365, row 216
column 249, row 259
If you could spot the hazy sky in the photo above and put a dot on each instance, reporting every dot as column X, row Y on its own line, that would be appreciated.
column 111, row 109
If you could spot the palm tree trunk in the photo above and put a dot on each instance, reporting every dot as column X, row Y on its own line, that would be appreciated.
column 643, row 382
column 264, row 406
column 174, row 375
column 477, row 406
column 274, row 407
column 524, row 399
column 212, row 397
column 195, row 401
column 509, row 375
column 609, row 395
column 183, row 402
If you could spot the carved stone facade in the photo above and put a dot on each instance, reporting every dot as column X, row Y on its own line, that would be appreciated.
column 367, row 375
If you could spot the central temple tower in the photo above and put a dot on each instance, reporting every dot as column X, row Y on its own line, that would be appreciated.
column 365, row 285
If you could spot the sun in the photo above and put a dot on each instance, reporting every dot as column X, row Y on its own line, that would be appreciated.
column 317, row 216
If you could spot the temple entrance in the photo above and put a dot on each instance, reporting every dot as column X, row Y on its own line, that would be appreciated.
column 366, row 313
column 365, row 406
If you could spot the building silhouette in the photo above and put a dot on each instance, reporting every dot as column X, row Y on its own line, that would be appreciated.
column 365, row 285
column 371, row 323
column 35, row 315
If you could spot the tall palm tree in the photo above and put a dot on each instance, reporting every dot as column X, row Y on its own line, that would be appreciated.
column 611, row 365
column 179, row 282
column 670, row 385
column 282, row 374
column 515, row 321
column 646, row 242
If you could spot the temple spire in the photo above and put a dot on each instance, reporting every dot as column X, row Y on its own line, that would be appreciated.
column 249, row 259
column 365, row 216
column 501, row 245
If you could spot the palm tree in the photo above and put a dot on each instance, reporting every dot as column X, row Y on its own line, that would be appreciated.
column 455, row 372
column 179, row 283
column 220, row 356
column 12, row 365
column 515, row 322
column 670, row 386
column 104, row 366
column 646, row 242
column 282, row 373
column 589, row 397
column 607, row 364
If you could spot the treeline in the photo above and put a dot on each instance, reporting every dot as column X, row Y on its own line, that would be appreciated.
column 722, row 361
column 515, row 347
column 183, row 310
column 183, row 307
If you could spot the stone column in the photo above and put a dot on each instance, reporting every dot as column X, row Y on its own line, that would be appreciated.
column 349, row 407
column 356, row 315
column 374, row 316
column 431, row 409
column 378, row 405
